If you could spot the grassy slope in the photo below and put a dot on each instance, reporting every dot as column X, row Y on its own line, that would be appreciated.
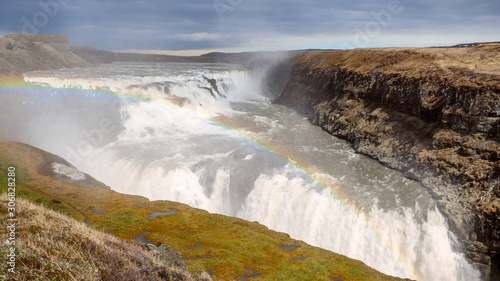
column 52, row 246
column 230, row 247
column 462, row 66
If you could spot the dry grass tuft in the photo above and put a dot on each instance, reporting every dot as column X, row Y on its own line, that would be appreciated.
column 51, row 246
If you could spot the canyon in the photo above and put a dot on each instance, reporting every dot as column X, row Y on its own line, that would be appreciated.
column 430, row 113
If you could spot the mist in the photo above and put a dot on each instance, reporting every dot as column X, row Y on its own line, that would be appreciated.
column 67, row 122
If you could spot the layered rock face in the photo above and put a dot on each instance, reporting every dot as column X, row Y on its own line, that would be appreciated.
column 433, row 114
column 21, row 53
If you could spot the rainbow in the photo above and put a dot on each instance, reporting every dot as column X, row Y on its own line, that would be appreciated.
column 302, row 168
column 38, row 95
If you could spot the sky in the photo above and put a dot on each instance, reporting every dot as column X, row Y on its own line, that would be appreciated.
column 254, row 25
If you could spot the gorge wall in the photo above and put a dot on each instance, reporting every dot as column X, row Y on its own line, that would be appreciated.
column 433, row 114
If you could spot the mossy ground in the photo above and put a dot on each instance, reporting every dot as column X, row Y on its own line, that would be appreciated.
column 52, row 246
column 227, row 247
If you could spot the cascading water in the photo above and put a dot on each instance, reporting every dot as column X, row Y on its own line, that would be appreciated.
column 203, row 135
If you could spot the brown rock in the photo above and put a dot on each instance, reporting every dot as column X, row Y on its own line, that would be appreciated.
column 22, row 52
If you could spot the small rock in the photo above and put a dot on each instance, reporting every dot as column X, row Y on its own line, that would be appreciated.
column 169, row 256
column 203, row 275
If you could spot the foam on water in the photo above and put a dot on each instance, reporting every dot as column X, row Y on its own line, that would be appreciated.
column 207, row 91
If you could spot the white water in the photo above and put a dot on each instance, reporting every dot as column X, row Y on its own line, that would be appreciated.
column 266, row 163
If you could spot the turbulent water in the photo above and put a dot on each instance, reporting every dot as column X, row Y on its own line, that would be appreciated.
column 204, row 135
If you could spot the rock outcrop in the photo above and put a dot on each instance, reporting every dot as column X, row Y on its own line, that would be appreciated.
column 21, row 53
column 433, row 114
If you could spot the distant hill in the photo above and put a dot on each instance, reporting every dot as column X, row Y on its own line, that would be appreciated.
column 21, row 53
column 468, row 45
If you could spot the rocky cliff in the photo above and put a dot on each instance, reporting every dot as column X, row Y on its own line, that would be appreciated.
column 433, row 114
column 21, row 53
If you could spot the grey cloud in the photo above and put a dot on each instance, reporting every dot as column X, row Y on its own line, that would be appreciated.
column 159, row 24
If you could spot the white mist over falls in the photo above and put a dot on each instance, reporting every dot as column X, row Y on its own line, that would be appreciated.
column 204, row 135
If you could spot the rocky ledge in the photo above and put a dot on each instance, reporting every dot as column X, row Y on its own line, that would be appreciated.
column 433, row 114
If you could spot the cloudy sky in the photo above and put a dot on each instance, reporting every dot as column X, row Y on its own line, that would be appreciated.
column 254, row 24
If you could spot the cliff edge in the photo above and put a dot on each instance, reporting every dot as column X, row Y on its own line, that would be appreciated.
column 431, row 113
